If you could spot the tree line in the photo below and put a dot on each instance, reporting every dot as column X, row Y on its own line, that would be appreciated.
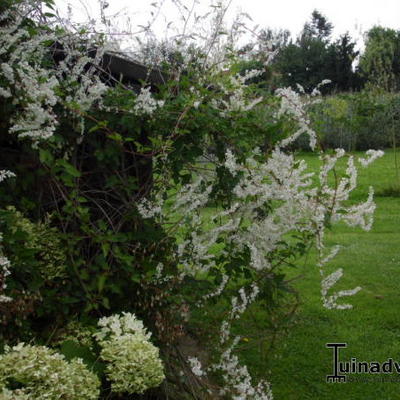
column 315, row 56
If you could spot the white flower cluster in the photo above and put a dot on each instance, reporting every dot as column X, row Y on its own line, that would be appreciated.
column 362, row 214
column 372, row 156
column 145, row 103
column 235, row 92
column 30, row 85
column 41, row 373
column 119, row 325
column 4, row 174
column 217, row 291
column 316, row 91
column 239, row 305
column 195, row 366
column 293, row 104
column 299, row 206
column 330, row 300
column 74, row 69
column 230, row 163
column 36, row 88
column 133, row 364
column 193, row 195
column 149, row 209
column 259, row 184
column 238, row 380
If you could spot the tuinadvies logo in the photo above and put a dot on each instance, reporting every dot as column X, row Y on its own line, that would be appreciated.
column 342, row 368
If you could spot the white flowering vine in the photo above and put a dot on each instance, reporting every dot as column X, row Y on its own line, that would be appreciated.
column 145, row 103
column 35, row 88
column 298, row 202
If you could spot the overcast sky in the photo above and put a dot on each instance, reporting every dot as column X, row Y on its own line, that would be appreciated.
column 355, row 16
column 346, row 15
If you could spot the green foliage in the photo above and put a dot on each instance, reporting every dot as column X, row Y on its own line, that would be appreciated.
column 35, row 247
column 301, row 63
column 358, row 121
column 318, row 27
column 39, row 270
column 380, row 61
column 313, row 57
column 339, row 68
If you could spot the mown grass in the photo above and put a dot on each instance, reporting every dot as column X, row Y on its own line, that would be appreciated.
column 299, row 363
column 294, row 358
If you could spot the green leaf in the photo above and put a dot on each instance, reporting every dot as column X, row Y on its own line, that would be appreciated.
column 115, row 136
column 46, row 157
column 71, row 349
column 106, row 303
column 101, row 280
column 68, row 168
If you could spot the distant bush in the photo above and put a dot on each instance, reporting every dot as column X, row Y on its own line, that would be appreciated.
column 357, row 121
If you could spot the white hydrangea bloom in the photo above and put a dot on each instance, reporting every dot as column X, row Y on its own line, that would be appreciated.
column 133, row 364
column 120, row 325
column 45, row 374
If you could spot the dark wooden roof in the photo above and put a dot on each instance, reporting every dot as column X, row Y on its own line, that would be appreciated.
column 132, row 72
column 114, row 68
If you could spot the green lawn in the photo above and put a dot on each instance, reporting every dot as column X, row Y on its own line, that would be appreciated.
column 300, row 362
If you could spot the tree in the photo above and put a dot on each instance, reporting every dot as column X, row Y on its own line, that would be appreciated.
column 274, row 39
column 341, row 55
column 318, row 27
column 305, row 61
column 313, row 58
column 302, row 64
column 380, row 63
